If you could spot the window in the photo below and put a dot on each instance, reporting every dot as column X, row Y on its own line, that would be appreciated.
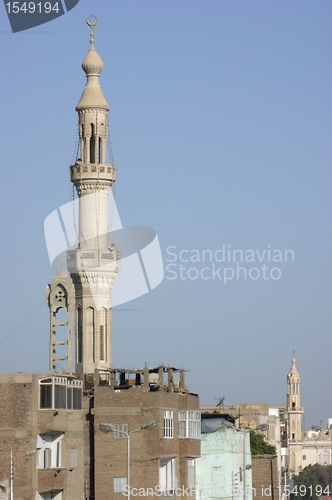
column 191, row 472
column 46, row 393
column 60, row 397
column 120, row 427
column 304, row 457
column 77, row 398
column 60, row 393
column 190, row 424
column 50, row 495
column 182, row 424
column 166, row 474
column 119, row 483
column 324, row 458
column 168, row 424
column 49, row 450
column 194, row 424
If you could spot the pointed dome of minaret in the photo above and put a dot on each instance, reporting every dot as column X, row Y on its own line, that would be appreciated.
column 293, row 371
column 92, row 65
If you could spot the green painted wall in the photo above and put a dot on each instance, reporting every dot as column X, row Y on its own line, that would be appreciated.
column 217, row 471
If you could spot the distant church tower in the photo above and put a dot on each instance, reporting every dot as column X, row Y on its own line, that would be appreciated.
column 294, row 419
column 94, row 264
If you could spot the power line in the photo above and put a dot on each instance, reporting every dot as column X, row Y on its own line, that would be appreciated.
column 4, row 340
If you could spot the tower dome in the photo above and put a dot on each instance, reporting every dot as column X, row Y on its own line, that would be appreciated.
column 293, row 371
column 92, row 65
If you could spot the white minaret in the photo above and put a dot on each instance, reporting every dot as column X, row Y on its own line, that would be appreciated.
column 294, row 418
column 93, row 266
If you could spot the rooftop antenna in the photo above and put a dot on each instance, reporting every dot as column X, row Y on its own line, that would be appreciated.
column 220, row 402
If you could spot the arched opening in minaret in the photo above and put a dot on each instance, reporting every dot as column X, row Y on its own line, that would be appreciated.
column 80, row 335
column 102, row 334
column 92, row 145
column 61, row 350
column 90, row 333
column 82, row 145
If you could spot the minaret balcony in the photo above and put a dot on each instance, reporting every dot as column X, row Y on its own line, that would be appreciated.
column 80, row 260
column 103, row 172
column 296, row 409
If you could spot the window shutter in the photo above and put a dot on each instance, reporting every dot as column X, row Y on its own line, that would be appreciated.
column 39, row 459
column 47, row 458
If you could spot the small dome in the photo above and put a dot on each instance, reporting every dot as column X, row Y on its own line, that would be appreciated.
column 293, row 371
column 92, row 64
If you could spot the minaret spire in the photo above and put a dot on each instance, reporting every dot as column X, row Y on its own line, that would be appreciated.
column 93, row 266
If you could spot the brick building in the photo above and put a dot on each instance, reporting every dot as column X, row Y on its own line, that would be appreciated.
column 34, row 418
column 265, row 477
column 58, row 419
column 162, row 456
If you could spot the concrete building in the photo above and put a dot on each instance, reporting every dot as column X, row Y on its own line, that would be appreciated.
column 224, row 468
column 250, row 415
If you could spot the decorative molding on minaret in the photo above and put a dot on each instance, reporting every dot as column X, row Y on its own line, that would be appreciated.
column 94, row 265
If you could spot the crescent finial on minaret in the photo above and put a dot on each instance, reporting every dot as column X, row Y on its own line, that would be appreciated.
column 92, row 25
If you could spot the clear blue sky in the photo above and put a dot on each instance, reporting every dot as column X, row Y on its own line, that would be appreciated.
column 221, row 132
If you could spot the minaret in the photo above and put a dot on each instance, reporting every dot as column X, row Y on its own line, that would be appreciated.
column 93, row 266
column 294, row 418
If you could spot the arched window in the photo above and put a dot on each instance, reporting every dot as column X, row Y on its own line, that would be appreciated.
column 92, row 144
column 80, row 335
column 90, row 331
column 102, row 335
